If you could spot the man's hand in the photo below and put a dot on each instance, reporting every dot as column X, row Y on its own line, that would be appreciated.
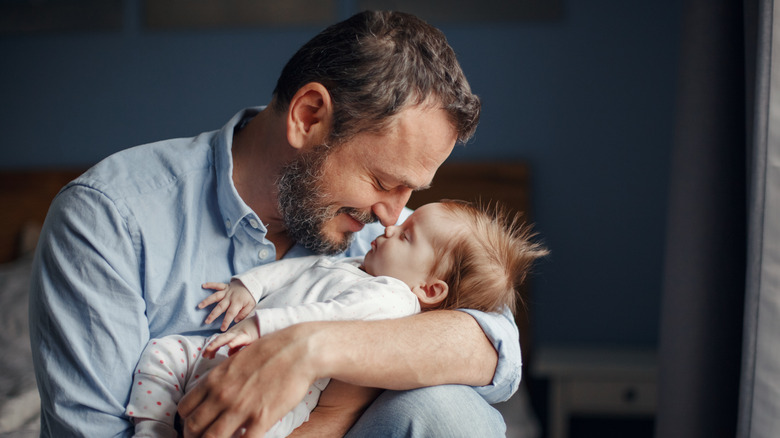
column 253, row 388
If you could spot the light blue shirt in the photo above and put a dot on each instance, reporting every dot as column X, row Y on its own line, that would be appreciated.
column 122, row 256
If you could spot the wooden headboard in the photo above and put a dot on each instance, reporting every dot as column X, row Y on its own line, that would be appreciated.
column 508, row 183
column 25, row 196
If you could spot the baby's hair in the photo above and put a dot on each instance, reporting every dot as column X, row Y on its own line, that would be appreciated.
column 485, row 262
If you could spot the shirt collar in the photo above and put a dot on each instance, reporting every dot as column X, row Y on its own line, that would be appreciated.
column 232, row 207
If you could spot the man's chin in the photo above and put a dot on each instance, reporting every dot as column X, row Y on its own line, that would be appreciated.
column 332, row 245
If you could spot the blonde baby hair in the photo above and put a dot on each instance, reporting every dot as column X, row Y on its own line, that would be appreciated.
column 486, row 261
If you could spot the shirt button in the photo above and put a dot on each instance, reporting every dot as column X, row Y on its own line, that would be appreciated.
column 228, row 223
column 253, row 223
column 263, row 254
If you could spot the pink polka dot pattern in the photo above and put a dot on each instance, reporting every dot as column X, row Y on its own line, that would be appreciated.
column 167, row 366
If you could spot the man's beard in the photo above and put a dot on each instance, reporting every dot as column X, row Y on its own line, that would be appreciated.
column 304, row 206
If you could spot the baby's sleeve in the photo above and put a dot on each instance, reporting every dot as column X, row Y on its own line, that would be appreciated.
column 270, row 278
column 379, row 298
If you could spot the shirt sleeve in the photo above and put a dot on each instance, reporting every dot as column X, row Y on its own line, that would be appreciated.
column 502, row 331
column 378, row 298
column 87, row 316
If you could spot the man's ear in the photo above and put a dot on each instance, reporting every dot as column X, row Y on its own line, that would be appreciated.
column 309, row 116
column 431, row 293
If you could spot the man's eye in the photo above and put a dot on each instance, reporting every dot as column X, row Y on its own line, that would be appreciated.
column 381, row 186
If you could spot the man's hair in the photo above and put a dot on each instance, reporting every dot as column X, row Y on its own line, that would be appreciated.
column 375, row 64
column 485, row 263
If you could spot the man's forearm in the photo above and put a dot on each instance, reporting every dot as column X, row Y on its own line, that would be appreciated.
column 431, row 348
column 258, row 385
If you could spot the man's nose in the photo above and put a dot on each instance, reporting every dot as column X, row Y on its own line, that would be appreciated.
column 389, row 210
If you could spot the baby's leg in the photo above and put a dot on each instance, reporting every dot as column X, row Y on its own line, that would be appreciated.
column 159, row 382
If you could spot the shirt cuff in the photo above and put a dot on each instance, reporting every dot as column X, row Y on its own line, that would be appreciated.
column 502, row 332
column 255, row 288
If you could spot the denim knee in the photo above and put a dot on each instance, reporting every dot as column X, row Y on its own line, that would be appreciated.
column 438, row 411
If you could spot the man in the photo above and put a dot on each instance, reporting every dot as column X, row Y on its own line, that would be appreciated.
column 361, row 116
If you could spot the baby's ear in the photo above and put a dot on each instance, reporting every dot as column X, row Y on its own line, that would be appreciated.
column 432, row 293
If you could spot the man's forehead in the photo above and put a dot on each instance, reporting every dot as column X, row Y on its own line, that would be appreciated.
column 409, row 151
column 410, row 168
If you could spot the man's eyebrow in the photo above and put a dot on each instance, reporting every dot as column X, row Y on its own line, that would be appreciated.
column 401, row 181
column 414, row 188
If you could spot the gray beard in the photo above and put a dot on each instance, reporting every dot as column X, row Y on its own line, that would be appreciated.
column 304, row 208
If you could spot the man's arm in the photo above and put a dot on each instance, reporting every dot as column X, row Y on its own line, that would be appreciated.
column 422, row 350
column 431, row 348
column 339, row 407
column 87, row 317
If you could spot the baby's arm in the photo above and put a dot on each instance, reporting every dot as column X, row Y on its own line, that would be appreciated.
column 369, row 300
column 233, row 299
column 381, row 298
column 245, row 290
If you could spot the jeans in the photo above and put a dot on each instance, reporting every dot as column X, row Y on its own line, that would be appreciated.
column 438, row 411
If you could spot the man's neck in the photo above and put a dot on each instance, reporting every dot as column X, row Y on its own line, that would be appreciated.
column 259, row 151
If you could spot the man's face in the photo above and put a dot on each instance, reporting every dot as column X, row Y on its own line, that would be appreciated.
column 327, row 195
column 303, row 206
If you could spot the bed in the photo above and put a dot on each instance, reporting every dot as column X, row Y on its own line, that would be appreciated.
column 25, row 196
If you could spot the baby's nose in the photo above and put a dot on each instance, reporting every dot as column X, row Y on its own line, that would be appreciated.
column 390, row 231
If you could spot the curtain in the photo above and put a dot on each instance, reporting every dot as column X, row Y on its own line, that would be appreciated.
column 703, row 295
column 759, row 404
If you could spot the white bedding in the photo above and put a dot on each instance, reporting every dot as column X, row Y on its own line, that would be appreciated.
column 19, row 402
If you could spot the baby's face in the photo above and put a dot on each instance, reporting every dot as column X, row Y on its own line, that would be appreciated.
column 406, row 252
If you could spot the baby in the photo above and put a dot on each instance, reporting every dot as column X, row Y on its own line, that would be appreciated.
column 446, row 255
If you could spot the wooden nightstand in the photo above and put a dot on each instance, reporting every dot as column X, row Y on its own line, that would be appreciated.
column 596, row 381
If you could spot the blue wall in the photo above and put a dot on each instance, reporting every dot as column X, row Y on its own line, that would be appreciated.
column 588, row 100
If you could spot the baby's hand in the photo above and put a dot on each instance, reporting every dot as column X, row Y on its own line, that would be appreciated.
column 233, row 299
column 239, row 336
